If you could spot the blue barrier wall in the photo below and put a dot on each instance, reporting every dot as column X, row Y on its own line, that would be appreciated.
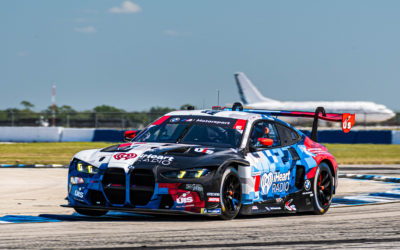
column 108, row 135
column 57, row 134
column 354, row 137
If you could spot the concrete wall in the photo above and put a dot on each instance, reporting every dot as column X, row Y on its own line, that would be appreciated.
column 30, row 134
column 395, row 137
column 77, row 134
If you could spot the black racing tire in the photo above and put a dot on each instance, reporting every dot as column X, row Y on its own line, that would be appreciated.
column 230, row 193
column 90, row 212
column 322, row 189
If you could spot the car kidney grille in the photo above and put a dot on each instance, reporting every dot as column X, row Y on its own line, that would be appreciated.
column 142, row 186
column 114, row 185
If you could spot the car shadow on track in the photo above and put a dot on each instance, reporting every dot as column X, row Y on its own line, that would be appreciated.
column 119, row 216
column 122, row 216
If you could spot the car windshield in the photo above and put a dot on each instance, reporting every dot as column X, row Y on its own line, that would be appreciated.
column 209, row 131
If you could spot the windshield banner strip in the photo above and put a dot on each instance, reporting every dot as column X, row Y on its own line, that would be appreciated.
column 161, row 120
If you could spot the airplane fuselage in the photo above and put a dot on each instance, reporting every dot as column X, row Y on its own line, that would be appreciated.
column 366, row 112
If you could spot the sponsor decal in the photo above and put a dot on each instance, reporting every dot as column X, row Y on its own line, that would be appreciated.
column 348, row 121
column 272, row 208
column 160, row 159
column 307, row 185
column 256, row 180
column 240, row 124
column 184, row 198
column 308, row 193
column 187, row 120
column 216, row 122
column 213, row 199
column 194, row 187
column 78, row 193
column 290, row 207
column 176, row 119
column 279, row 200
column 124, row 156
column 211, row 211
column 212, row 194
column 254, row 208
column 277, row 182
column 204, row 150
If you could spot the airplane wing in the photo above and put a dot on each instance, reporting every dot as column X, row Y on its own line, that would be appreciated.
column 332, row 117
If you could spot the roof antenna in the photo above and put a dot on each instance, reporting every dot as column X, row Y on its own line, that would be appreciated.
column 217, row 97
column 237, row 106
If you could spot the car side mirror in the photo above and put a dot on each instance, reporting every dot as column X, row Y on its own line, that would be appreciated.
column 266, row 141
column 129, row 135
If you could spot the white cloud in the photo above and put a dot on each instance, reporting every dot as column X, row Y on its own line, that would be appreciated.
column 80, row 20
column 171, row 33
column 86, row 29
column 22, row 53
column 90, row 11
column 126, row 7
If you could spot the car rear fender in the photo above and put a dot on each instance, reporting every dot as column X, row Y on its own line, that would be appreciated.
column 334, row 173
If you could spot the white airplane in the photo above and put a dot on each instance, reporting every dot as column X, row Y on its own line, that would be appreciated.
column 366, row 112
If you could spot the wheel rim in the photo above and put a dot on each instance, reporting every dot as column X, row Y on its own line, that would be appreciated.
column 324, row 188
column 231, row 194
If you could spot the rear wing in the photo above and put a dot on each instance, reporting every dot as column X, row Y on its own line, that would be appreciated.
column 346, row 119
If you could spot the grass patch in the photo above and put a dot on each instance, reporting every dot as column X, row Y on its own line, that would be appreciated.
column 62, row 152
column 365, row 153
column 44, row 153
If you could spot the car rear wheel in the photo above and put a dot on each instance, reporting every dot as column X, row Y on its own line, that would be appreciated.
column 91, row 212
column 323, row 189
column 231, row 194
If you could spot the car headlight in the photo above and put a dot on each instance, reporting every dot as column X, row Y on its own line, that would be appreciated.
column 76, row 180
column 187, row 174
column 84, row 167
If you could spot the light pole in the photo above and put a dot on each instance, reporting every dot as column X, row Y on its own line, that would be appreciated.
column 53, row 106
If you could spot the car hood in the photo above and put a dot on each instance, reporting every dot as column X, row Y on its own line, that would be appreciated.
column 148, row 155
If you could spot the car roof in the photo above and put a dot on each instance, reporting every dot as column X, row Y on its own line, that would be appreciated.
column 218, row 113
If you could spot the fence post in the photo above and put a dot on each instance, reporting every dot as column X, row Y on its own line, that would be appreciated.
column 122, row 122
column 67, row 125
column 95, row 120
column 12, row 118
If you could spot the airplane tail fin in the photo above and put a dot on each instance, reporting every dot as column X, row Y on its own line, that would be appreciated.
column 247, row 91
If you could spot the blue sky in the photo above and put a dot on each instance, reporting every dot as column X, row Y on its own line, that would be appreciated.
column 139, row 54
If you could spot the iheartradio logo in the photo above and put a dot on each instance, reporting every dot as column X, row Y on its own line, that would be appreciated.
column 124, row 156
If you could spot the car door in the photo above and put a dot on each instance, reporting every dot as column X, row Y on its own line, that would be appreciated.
column 270, row 165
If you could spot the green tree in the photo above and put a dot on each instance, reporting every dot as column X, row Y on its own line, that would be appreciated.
column 27, row 105
column 186, row 106
column 108, row 112
column 107, row 109
column 156, row 112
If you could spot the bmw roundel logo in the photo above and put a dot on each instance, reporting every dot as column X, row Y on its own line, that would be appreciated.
column 307, row 185
column 176, row 119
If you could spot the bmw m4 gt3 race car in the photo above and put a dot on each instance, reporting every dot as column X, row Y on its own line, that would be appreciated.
column 212, row 162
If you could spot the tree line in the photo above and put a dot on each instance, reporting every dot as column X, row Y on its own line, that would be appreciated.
column 65, row 115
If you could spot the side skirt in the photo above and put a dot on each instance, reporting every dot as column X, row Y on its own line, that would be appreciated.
column 294, row 203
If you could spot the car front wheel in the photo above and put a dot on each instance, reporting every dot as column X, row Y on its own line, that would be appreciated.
column 231, row 194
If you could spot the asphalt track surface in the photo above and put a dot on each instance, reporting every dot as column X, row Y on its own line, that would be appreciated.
column 39, row 192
